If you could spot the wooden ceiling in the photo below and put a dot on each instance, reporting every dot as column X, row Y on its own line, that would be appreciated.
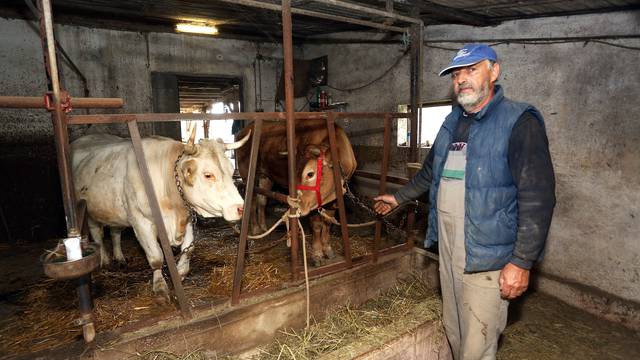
column 251, row 23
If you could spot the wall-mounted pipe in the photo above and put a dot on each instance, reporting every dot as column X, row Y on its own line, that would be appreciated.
column 38, row 102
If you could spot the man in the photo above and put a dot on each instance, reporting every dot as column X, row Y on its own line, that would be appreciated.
column 491, row 191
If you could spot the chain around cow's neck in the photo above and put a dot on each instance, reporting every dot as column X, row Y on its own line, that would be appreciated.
column 192, row 211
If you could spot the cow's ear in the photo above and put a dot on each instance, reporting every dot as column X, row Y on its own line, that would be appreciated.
column 189, row 172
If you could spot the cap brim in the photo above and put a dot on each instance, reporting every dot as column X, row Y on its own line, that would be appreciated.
column 448, row 69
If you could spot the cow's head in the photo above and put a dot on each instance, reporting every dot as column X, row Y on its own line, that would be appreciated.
column 314, row 158
column 206, row 176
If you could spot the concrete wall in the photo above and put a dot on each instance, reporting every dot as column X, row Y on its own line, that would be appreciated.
column 116, row 64
column 588, row 95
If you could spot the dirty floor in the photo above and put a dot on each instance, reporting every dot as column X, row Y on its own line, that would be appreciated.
column 543, row 328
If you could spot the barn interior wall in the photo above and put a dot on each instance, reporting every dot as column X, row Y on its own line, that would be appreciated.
column 587, row 93
column 116, row 64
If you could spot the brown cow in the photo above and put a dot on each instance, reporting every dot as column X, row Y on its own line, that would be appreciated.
column 312, row 154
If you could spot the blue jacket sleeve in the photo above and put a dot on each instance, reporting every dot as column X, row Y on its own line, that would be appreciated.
column 532, row 172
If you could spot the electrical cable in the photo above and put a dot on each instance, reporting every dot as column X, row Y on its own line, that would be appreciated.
column 395, row 63
column 550, row 41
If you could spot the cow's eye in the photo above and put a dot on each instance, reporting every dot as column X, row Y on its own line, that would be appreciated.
column 310, row 174
column 210, row 176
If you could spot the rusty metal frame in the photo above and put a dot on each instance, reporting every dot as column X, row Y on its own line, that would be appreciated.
column 136, row 140
column 38, row 102
column 337, row 181
column 248, row 199
column 61, row 121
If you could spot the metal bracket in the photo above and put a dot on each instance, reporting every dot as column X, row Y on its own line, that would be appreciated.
column 65, row 101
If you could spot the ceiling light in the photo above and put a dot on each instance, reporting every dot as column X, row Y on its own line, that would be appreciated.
column 197, row 28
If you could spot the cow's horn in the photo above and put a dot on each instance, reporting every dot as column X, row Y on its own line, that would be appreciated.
column 190, row 148
column 239, row 143
column 283, row 153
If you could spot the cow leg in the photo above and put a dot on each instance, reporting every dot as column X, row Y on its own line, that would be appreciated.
column 326, row 245
column 254, row 228
column 186, row 249
column 97, row 233
column 116, row 234
column 261, row 200
column 316, row 243
column 148, row 238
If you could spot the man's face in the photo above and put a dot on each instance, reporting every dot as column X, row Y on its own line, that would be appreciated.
column 473, row 85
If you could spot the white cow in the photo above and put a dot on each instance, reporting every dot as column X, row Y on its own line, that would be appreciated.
column 106, row 175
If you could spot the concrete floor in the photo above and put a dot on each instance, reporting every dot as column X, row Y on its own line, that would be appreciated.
column 541, row 327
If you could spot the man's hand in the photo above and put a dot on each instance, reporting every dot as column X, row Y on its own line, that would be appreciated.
column 385, row 203
column 514, row 281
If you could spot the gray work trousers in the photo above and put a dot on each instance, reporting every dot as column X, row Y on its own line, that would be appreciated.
column 474, row 314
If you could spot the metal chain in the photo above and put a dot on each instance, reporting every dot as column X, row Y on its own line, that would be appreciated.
column 390, row 227
column 192, row 212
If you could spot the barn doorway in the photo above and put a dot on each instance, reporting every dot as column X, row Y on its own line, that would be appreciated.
column 210, row 95
column 186, row 93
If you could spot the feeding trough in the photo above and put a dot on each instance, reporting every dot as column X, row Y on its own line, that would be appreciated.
column 76, row 263
column 58, row 267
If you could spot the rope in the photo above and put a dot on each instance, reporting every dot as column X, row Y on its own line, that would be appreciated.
column 304, row 259
column 294, row 213
column 255, row 237
column 333, row 220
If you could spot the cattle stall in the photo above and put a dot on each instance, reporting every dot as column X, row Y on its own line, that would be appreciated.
column 59, row 103
column 366, row 288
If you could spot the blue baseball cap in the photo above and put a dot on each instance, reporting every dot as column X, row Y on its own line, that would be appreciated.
column 470, row 54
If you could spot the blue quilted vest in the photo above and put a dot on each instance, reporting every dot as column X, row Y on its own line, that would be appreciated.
column 491, row 207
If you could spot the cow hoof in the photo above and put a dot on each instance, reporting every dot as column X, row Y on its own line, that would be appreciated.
column 330, row 254
column 162, row 300
column 317, row 262
column 121, row 264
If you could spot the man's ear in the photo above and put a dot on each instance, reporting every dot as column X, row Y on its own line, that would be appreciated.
column 495, row 72
column 189, row 168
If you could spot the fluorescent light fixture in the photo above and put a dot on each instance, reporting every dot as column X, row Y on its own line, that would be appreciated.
column 197, row 28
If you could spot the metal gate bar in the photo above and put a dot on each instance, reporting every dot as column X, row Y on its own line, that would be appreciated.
column 157, row 218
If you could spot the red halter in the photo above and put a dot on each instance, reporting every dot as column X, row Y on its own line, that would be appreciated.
column 316, row 187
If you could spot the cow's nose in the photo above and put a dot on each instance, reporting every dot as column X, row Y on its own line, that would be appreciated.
column 240, row 210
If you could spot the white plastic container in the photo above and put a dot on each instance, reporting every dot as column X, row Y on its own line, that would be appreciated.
column 72, row 245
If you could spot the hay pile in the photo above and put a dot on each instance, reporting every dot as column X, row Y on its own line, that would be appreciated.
column 408, row 304
column 42, row 314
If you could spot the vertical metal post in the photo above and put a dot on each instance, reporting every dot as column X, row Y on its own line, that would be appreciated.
column 416, row 86
column 59, row 122
column 382, row 188
column 416, row 97
column 246, row 216
column 287, row 45
column 157, row 217
column 337, row 180
column 61, row 137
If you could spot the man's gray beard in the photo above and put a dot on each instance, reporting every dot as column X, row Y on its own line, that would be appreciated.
column 469, row 101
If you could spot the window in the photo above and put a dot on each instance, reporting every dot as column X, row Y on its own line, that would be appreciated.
column 431, row 119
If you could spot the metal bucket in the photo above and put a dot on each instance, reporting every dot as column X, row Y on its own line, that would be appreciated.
column 57, row 267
